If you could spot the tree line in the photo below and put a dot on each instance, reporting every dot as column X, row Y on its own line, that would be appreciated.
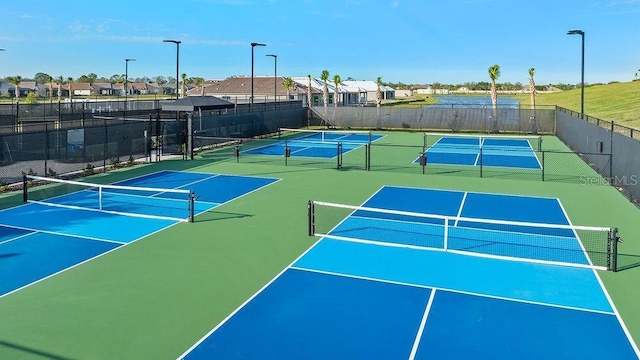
column 92, row 78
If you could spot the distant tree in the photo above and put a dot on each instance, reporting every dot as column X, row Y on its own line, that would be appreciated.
column 336, row 81
column 183, row 84
column 288, row 85
column 32, row 98
column 41, row 78
column 350, row 79
column 200, row 83
column 70, row 83
column 15, row 81
column 117, row 79
column 171, row 79
column 324, row 77
column 309, row 100
column 160, row 80
column 494, row 74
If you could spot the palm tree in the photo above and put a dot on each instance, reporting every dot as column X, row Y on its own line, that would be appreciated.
column 59, row 80
column 309, row 100
column 494, row 74
column 200, row 83
column 70, row 83
column 183, row 84
column 325, row 76
column 378, row 102
column 532, row 86
column 15, row 81
column 379, row 91
column 288, row 85
column 336, row 81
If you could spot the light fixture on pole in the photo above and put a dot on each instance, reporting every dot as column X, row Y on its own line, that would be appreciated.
column 177, row 42
column 275, row 77
column 581, row 33
column 253, row 44
column 126, row 82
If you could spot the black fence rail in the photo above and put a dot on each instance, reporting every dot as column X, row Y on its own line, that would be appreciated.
column 605, row 124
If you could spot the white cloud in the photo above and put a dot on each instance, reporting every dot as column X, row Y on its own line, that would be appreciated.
column 395, row 4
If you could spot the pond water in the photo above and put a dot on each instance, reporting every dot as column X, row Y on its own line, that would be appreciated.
column 474, row 102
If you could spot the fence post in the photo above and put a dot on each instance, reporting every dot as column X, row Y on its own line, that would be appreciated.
column 106, row 148
column 611, row 151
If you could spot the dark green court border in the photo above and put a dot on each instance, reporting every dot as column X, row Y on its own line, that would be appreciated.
column 154, row 298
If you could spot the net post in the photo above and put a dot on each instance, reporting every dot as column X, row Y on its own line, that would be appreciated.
column 287, row 153
column 25, row 196
column 339, row 155
column 369, row 158
column 539, row 143
column 192, row 208
column 366, row 156
column 612, row 263
column 236, row 153
column 311, row 218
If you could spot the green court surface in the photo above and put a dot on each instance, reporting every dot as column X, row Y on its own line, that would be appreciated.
column 154, row 298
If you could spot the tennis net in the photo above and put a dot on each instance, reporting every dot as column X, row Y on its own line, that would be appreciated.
column 578, row 246
column 515, row 142
column 333, row 136
column 165, row 204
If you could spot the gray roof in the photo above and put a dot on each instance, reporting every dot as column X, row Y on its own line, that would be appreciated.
column 193, row 103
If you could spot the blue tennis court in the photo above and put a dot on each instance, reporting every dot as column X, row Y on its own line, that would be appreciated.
column 371, row 299
column 478, row 151
column 38, row 240
column 320, row 144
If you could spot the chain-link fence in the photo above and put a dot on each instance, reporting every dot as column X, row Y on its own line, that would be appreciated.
column 591, row 135
column 455, row 119
column 97, row 136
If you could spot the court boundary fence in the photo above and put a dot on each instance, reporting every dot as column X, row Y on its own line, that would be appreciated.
column 598, row 244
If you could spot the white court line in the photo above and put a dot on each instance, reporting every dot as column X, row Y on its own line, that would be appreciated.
column 606, row 294
column 452, row 291
column 35, row 231
column 17, row 237
column 416, row 342
column 464, row 198
column 85, row 261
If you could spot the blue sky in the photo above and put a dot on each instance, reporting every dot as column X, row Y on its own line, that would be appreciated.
column 412, row 41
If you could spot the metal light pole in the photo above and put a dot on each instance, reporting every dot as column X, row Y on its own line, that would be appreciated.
column 126, row 83
column 253, row 44
column 581, row 33
column 177, row 42
column 275, row 77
